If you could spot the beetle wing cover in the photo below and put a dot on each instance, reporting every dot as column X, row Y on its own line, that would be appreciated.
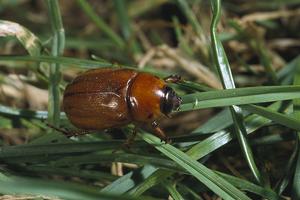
column 97, row 99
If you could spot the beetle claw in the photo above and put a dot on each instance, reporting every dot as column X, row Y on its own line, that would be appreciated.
column 167, row 140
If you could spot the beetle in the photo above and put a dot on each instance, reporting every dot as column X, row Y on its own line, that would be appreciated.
column 113, row 97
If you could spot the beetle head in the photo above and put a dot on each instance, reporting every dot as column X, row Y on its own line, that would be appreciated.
column 170, row 101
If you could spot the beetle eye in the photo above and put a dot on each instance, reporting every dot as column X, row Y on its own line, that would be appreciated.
column 170, row 101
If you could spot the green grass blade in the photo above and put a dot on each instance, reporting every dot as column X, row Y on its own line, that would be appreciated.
column 70, row 148
column 58, row 43
column 259, row 47
column 125, row 24
column 286, row 74
column 8, row 111
column 123, row 18
column 190, row 16
column 216, row 123
column 69, row 62
column 126, row 182
column 182, row 43
column 220, row 138
column 172, row 190
column 118, row 157
column 296, row 182
column 228, row 83
column 240, row 92
column 288, row 171
column 70, row 172
column 296, row 112
column 157, row 177
column 192, row 194
column 17, row 185
column 251, row 187
column 57, row 28
column 277, row 117
column 194, row 86
column 199, row 171
column 86, row 7
column 238, row 96
column 203, row 148
column 241, row 133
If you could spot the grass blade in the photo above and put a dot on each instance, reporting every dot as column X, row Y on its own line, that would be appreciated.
column 69, row 62
column 190, row 16
column 8, row 111
column 17, row 185
column 29, row 41
column 277, row 117
column 251, row 187
column 126, row 182
column 199, row 171
column 58, row 44
column 71, row 172
column 296, row 107
column 124, row 23
column 86, row 7
column 172, row 190
column 28, row 150
column 238, row 96
column 203, row 148
column 288, row 171
column 228, row 83
column 157, row 177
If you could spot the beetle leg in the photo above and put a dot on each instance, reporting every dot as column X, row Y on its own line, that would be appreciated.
column 66, row 132
column 173, row 78
column 131, row 139
column 63, row 131
column 78, row 133
column 159, row 133
column 168, row 115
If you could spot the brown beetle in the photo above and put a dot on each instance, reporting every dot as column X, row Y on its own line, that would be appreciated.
column 113, row 97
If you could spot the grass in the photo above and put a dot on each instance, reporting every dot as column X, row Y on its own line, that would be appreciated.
column 240, row 142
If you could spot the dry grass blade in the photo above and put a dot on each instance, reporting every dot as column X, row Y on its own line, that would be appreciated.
column 270, row 15
column 28, row 39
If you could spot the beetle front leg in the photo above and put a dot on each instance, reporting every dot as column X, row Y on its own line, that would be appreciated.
column 159, row 133
column 175, row 78
column 129, row 141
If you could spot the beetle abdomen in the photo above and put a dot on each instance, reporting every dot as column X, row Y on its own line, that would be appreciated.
column 97, row 99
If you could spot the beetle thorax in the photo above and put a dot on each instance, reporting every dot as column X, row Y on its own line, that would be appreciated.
column 144, row 97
